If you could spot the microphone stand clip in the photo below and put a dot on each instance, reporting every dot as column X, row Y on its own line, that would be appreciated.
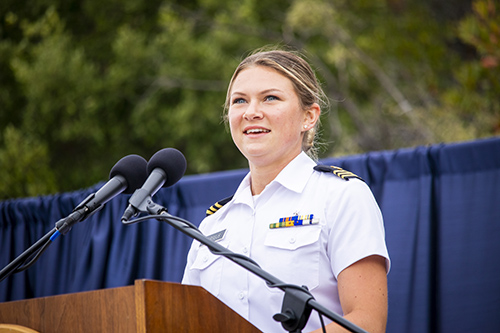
column 294, row 311
column 80, row 213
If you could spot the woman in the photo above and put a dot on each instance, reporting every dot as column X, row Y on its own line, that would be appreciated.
column 338, row 252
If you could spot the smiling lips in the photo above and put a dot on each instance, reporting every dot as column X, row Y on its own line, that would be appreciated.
column 256, row 131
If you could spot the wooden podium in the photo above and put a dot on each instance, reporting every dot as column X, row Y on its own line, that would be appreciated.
column 147, row 306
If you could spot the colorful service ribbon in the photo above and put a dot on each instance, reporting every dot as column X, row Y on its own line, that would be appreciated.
column 295, row 220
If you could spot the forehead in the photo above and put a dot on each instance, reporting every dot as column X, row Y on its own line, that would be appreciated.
column 260, row 78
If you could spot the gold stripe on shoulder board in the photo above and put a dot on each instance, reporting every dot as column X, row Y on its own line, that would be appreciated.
column 218, row 205
column 339, row 172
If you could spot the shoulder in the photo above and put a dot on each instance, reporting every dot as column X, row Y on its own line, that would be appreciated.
column 344, row 188
column 339, row 172
column 218, row 205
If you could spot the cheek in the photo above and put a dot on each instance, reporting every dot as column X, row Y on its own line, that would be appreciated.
column 292, row 123
column 233, row 122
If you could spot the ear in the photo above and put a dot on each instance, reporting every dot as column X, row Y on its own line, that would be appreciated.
column 311, row 116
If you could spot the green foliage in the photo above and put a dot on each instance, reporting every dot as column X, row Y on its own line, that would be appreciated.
column 480, row 76
column 25, row 170
column 84, row 83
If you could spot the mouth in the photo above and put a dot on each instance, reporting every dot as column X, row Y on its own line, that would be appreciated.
column 256, row 131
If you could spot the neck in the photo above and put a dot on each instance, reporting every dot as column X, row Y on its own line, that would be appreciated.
column 262, row 175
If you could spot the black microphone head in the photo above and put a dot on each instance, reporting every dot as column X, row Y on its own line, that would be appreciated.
column 134, row 169
column 171, row 161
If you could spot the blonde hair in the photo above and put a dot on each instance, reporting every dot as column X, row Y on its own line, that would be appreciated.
column 299, row 72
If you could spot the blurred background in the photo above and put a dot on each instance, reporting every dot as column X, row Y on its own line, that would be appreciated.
column 86, row 82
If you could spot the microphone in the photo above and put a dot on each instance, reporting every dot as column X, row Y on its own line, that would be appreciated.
column 165, row 168
column 125, row 176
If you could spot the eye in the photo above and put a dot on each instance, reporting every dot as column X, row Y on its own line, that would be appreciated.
column 271, row 98
column 238, row 101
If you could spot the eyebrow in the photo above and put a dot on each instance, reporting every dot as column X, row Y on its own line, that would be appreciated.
column 263, row 92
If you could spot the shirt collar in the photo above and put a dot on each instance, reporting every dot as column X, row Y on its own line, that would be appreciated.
column 244, row 193
column 296, row 174
column 294, row 177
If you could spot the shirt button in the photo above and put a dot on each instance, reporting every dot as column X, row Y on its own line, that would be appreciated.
column 292, row 240
column 205, row 259
column 245, row 250
column 241, row 295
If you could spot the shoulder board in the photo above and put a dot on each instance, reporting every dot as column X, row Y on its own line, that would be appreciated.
column 218, row 205
column 339, row 172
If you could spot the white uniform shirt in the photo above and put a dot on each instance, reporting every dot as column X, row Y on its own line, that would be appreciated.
column 350, row 228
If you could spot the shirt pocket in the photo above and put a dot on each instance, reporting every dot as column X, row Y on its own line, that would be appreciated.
column 208, row 267
column 293, row 254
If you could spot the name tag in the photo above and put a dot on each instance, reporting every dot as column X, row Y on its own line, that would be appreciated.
column 217, row 236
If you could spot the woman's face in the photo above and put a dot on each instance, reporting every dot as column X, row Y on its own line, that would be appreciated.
column 265, row 117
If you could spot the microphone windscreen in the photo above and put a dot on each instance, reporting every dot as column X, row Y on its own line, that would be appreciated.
column 171, row 161
column 134, row 169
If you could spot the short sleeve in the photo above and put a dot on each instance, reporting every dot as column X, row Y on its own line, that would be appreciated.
column 357, row 227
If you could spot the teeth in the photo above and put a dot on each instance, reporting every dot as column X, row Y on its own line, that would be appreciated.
column 257, row 130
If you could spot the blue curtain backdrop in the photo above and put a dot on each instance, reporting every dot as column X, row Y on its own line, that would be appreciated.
column 441, row 206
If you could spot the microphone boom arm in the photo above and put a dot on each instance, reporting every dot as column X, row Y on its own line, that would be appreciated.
column 23, row 257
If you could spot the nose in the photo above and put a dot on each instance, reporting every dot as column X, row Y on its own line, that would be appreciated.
column 253, row 111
